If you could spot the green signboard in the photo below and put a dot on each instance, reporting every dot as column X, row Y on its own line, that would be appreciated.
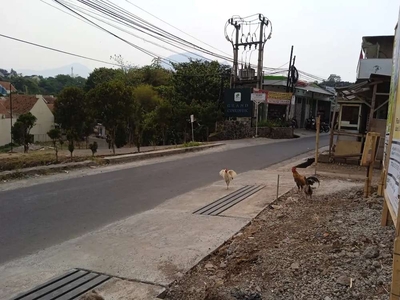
column 238, row 102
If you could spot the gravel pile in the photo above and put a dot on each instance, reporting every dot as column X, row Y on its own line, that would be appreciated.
column 330, row 247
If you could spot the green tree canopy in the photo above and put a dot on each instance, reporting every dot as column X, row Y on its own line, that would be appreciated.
column 199, row 80
column 21, row 130
column 103, row 75
column 72, row 113
column 112, row 105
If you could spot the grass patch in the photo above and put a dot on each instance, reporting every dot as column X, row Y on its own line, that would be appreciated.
column 16, row 161
column 191, row 144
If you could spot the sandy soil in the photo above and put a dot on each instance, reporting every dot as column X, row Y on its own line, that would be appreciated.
column 330, row 247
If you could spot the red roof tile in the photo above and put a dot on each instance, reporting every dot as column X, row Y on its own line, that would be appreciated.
column 21, row 104
column 51, row 107
column 6, row 85
column 50, row 99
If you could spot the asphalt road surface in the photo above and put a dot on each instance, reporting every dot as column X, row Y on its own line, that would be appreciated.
column 43, row 215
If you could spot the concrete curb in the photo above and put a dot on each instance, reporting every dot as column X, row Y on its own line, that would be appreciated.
column 153, row 154
column 110, row 159
column 41, row 169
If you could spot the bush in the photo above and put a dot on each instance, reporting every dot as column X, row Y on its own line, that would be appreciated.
column 93, row 147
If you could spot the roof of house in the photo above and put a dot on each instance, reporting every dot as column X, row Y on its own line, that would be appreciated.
column 6, row 85
column 49, row 99
column 21, row 104
column 51, row 107
column 314, row 88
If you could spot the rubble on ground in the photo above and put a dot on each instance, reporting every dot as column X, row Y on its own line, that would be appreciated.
column 331, row 247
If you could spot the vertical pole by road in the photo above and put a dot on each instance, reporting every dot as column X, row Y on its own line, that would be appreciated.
column 260, row 56
column 235, row 56
column 317, row 142
column 191, row 122
column 294, row 60
column 256, row 105
column 11, row 117
column 290, row 66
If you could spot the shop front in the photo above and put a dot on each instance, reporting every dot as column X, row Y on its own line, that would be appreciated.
column 278, row 105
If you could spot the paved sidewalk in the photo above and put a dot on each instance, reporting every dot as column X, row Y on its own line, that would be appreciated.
column 153, row 248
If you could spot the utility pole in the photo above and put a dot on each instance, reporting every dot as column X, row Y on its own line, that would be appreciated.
column 11, row 117
column 235, row 53
column 290, row 67
column 291, row 73
column 261, row 52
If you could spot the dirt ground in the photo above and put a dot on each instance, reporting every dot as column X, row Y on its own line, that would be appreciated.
column 330, row 247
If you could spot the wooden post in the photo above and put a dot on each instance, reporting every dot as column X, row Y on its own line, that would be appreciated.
column 277, row 188
column 385, row 214
column 372, row 109
column 371, row 165
column 395, row 288
column 368, row 159
column 332, row 130
column 317, row 142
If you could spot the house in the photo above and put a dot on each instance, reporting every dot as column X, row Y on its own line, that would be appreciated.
column 6, row 88
column 310, row 100
column 364, row 105
column 50, row 100
column 22, row 104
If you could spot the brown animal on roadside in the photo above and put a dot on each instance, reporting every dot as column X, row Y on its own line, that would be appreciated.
column 93, row 295
column 304, row 183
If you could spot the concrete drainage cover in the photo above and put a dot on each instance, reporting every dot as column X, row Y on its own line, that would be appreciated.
column 222, row 204
column 70, row 285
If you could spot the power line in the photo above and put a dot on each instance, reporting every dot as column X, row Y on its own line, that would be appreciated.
column 58, row 50
column 175, row 27
column 89, row 12
column 113, row 12
column 115, row 35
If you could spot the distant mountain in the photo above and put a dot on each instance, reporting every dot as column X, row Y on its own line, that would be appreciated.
column 79, row 70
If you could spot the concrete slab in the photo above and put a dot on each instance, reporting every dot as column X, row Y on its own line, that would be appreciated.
column 118, row 289
column 153, row 246
column 156, row 246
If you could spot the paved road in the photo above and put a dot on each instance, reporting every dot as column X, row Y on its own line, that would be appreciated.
column 39, row 216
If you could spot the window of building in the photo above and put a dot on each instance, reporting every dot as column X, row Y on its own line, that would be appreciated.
column 350, row 115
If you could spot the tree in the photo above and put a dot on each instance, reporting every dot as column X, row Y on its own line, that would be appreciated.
column 21, row 130
column 54, row 85
column 145, row 101
column 93, row 147
column 111, row 103
column 334, row 78
column 72, row 113
column 199, row 80
column 55, row 135
column 71, row 137
column 121, row 136
column 160, row 119
column 102, row 75
column 25, row 85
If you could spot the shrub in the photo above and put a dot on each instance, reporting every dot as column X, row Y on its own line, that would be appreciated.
column 93, row 147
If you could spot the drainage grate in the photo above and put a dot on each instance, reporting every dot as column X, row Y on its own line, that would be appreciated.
column 68, row 286
column 219, row 206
